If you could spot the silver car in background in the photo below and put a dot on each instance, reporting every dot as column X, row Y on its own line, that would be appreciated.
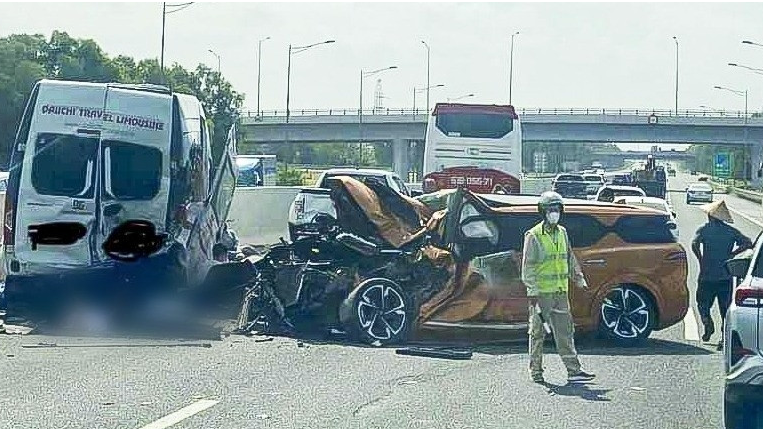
column 699, row 192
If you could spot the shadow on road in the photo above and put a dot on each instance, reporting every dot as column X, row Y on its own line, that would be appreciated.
column 583, row 390
column 597, row 347
column 587, row 345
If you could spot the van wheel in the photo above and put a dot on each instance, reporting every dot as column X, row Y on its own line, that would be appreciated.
column 379, row 311
column 627, row 315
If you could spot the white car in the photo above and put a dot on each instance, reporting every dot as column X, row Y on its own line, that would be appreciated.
column 648, row 202
column 608, row 193
column 701, row 192
column 742, row 347
column 313, row 201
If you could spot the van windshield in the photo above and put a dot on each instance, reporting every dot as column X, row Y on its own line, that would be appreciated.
column 135, row 171
column 64, row 165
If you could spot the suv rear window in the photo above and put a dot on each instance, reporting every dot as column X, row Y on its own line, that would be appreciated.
column 646, row 229
column 570, row 177
column 63, row 165
column 135, row 170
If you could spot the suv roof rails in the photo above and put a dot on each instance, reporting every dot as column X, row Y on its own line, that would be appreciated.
column 148, row 87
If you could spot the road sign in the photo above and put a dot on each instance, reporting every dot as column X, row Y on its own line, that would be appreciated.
column 722, row 166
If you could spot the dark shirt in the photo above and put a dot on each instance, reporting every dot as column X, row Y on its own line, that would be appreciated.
column 717, row 239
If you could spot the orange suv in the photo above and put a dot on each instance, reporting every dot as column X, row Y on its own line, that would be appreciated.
column 635, row 268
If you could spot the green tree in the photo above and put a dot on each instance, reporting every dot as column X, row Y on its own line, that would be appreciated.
column 25, row 59
column 288, row 177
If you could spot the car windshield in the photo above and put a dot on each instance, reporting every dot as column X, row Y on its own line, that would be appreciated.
column 700, row 187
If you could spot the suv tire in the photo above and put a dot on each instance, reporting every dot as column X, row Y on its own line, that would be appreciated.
column 627, row 315
column 741, row 415
column 378, row 311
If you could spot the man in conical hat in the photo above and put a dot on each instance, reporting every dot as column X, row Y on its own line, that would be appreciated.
column 712, row 245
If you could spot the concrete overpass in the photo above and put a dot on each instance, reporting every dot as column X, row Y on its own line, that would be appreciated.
column 613, row 159
column 402, row 126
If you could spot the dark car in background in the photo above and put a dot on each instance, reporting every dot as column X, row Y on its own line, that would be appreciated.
column 570, row 185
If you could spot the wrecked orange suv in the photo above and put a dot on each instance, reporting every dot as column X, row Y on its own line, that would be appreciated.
column 634, row 266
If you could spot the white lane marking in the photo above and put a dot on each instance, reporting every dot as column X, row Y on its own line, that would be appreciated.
column 742, row 215
column 181, row 414
column 691, row 330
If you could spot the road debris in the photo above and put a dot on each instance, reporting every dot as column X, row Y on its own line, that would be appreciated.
column 17, row 329
column 435, row 353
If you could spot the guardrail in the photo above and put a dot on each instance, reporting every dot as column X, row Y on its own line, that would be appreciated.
column 691, row 113
column 753, row 196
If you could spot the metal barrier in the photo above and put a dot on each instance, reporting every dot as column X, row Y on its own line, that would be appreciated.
column 691, row 113
column 753, row 196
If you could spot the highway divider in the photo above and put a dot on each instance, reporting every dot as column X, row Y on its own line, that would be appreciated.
column 753, row 196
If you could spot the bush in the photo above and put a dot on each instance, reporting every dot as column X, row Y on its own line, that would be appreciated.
column 286, row 177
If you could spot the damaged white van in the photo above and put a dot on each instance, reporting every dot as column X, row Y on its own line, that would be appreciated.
column 89, row 157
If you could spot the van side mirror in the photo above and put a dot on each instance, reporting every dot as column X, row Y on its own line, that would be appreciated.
column 738, row 265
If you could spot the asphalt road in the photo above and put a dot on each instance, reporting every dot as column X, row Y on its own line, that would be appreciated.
column 673, row 381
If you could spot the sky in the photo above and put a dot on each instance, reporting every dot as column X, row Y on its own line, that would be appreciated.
column 566, row 55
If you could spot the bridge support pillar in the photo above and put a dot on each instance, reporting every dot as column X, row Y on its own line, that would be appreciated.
column 756, row 164
column 400, row 158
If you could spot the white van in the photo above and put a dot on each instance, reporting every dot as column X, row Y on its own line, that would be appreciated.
column 90, row 156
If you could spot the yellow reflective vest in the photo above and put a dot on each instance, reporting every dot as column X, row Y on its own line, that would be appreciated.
column 553, row 273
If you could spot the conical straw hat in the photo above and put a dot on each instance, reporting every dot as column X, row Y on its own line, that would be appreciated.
column 718, row 210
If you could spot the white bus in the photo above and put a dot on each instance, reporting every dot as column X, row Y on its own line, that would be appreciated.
column 477, row 146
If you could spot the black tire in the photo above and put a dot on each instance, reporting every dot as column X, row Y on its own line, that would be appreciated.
column 627, row 315
column 378, row 311
column 741, row 415
column 688, row 201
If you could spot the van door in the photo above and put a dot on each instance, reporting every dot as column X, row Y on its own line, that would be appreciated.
column 135, row 154
column 56, row 211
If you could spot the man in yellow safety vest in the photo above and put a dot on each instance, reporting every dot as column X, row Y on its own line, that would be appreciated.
column 548, row 265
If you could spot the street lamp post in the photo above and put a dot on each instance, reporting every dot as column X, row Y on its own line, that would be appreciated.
column 511, row 64
column 418, row 90
column 259, row 70
column 218, row 59
column 675, row 39
column 176, row 8
column 296, row 50
column 360, row 106
column 164, row 20
column 739, row 93
column 752, row 69
column 428, row 52
column 460, row 97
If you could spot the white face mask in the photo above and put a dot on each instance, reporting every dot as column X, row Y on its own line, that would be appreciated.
column 553, row 217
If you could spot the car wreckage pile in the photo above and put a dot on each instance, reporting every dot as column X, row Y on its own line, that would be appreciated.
column 369, row 272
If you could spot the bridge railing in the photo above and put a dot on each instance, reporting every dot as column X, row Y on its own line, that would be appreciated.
column 522, row 111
